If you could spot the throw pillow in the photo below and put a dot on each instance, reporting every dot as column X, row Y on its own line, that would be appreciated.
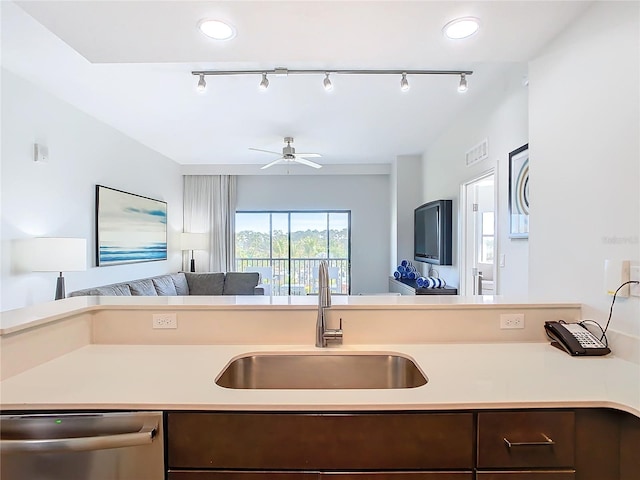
column 240, row 283
column 205, row 283
column 164, row 285
column 118, row 290
column 180, row 282
column 143, row 287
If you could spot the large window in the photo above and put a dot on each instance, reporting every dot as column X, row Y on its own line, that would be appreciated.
column 292, row 244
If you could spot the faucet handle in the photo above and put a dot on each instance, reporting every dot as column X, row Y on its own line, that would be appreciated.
column 334, row 335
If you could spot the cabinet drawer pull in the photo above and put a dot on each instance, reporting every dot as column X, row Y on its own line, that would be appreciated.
column 547, row 442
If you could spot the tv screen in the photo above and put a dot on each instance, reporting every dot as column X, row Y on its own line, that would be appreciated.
column 432, row 233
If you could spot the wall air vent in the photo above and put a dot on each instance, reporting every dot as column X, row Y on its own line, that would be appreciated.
column 478, row 153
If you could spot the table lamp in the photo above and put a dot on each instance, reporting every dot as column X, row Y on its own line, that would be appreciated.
column 193, row 241
column 49, row 254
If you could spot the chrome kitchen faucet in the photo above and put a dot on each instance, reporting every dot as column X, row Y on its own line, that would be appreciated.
column 324, row 336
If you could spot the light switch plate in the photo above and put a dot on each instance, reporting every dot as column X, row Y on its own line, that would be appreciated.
column 40, row 153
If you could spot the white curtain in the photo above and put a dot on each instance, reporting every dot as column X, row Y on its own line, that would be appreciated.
column 210, row 207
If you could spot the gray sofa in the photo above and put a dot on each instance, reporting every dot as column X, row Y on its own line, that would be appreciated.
column 182, row 283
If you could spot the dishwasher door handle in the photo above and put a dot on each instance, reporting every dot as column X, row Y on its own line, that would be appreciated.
column 144, row 436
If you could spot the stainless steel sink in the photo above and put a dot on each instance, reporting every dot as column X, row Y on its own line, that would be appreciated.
column 321, row 371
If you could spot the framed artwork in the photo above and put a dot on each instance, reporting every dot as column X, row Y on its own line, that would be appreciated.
column 129, row 228
column 519, row 192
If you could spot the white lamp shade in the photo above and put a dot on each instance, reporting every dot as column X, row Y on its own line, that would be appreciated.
column 193, row 241
column 48, row 254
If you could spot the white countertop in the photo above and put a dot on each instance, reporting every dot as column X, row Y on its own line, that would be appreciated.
column 461, row 376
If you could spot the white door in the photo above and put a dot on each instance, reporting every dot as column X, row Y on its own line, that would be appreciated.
column 478, row 239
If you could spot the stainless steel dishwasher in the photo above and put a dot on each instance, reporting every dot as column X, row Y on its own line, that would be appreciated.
column 82, row 446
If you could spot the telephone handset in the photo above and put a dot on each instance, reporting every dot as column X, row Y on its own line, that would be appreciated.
column 574, row 339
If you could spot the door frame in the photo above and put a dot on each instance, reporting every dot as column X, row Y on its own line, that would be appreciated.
column 464, row 233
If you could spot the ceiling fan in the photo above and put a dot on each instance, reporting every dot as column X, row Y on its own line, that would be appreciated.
column 289, row 155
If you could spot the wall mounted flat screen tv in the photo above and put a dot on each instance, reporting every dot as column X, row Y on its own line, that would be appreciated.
column 129, row 228
column 432, row 233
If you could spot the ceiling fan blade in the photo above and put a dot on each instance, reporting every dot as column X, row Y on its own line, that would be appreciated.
column 309, row 163
column 275, row 162
column 311, row 155
column 265, row 151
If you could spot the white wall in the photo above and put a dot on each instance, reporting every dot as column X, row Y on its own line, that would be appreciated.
column 585, row 168
column 57, row 198
column 500, row 117
column 367, row 196
column 407, row 196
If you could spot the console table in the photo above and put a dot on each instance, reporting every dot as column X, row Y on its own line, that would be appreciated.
column 409, row 287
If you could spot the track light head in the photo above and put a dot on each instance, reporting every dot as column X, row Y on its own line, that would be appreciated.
column 202, row 85
column 404, row 83
column 328, row 86
column 462, row 87
column 264, row 84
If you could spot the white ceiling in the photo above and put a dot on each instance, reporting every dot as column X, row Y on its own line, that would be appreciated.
column 129, row 63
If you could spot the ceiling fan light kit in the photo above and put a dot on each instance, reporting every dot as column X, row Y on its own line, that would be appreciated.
column 290, row 156
column 327, row 83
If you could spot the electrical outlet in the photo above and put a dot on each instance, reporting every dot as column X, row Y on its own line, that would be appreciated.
column 165, row 320
column 512, row 320
column 635, row 276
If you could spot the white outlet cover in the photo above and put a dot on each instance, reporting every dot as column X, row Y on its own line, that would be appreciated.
column 510, row 321
column 165, row 320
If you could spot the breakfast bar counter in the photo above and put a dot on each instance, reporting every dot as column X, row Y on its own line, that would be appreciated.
column 461, row 376
column 104, row 354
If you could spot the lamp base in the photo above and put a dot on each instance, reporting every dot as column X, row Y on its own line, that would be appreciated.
column 60, row 294
column 193, row 265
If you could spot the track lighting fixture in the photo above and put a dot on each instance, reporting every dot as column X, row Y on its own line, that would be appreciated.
column 328, row 86
column 202, row 85
column 462, row 87
column 264, row 84
column 404, row 83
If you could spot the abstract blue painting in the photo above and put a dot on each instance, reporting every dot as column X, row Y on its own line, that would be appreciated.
column 129, row 228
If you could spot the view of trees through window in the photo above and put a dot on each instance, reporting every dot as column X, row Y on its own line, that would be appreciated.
column 293, row 244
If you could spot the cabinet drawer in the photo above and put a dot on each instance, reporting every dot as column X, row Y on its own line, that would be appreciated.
column 397, row 476
column 227, row 475
column 320, row 441
column 524, row 475
column 526, row 439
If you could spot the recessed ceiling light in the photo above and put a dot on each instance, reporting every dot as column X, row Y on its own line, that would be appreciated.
column 461, row 27
column 217, row 29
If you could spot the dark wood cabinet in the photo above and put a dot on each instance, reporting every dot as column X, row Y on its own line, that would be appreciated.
column 271, row 475
column 231, row 475
column 630, row 448
column 321, row 441
column 526, row 439
column 532, row 444
column 527, row 475
column 397, row 476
